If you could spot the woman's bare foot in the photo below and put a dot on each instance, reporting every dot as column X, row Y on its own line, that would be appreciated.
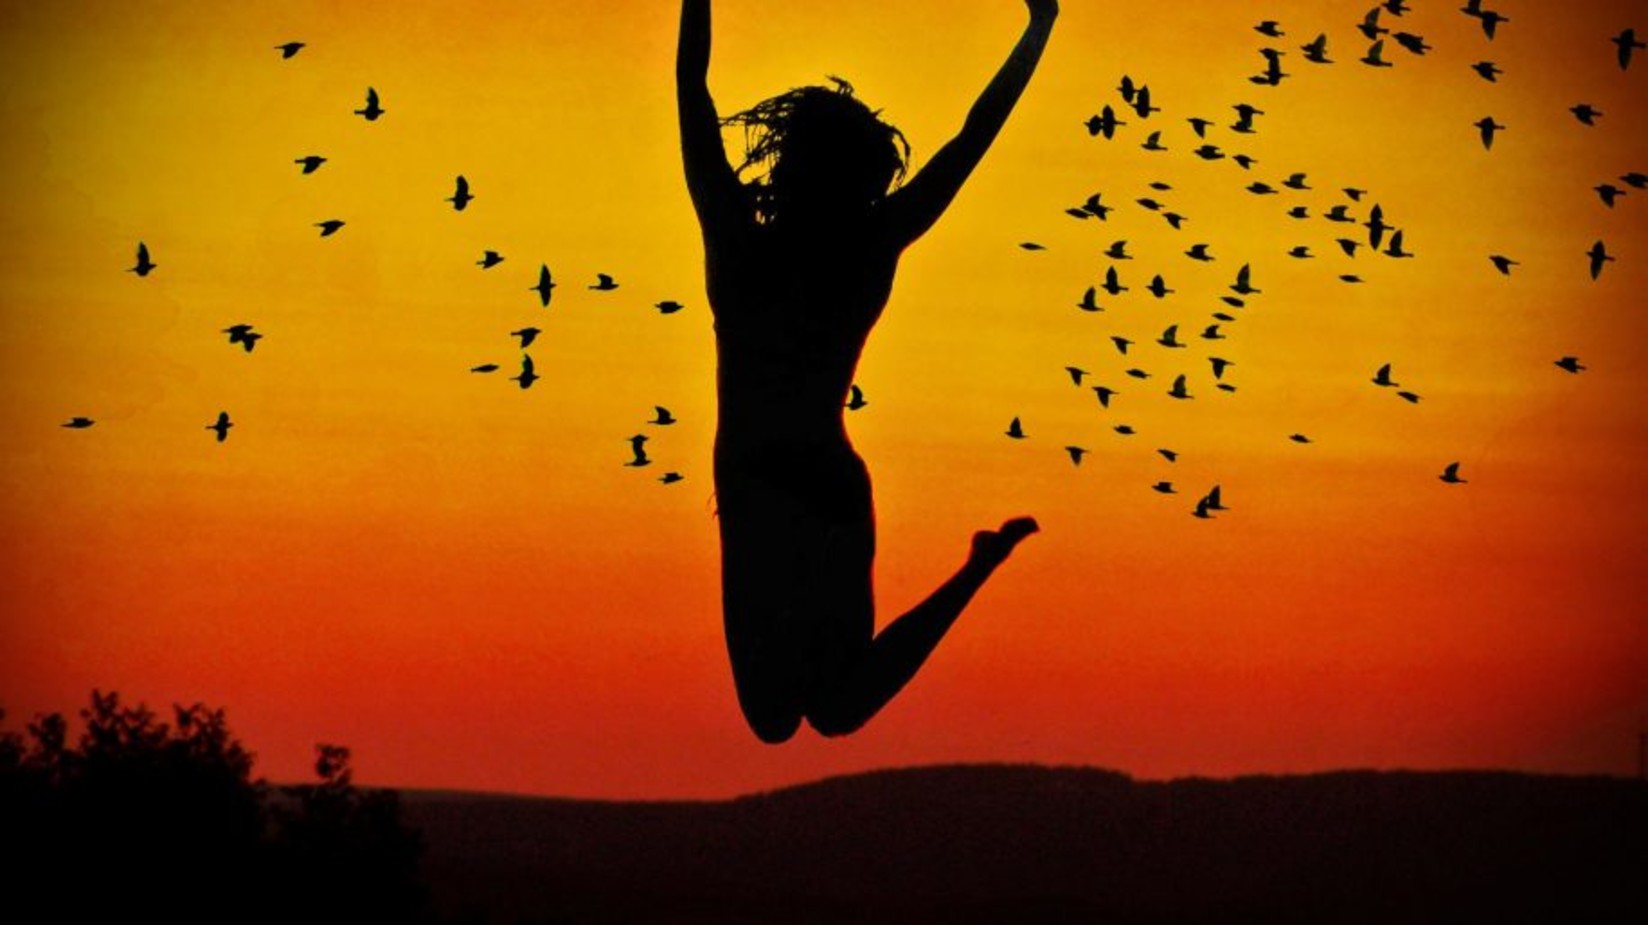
column 992, row 547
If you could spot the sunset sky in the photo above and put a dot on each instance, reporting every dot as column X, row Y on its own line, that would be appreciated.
column 462, row 581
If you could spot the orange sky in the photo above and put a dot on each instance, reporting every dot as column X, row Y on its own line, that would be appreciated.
column 462, row 582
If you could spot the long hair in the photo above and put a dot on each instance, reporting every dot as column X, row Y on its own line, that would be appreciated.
column 817, row 146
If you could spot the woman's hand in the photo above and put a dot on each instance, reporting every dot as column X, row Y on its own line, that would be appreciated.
column 1043, row 9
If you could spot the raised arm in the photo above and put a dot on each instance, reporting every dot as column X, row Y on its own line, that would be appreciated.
column 710, row 179
column 917, row 205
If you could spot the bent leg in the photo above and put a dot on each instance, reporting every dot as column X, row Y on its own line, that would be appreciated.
column 898, row 652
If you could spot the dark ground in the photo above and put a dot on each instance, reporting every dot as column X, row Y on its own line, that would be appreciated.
column 1042, row 845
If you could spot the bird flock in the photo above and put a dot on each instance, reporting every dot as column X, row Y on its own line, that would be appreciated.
column 1359, row 226
column 1356, row 234
column 246, row 336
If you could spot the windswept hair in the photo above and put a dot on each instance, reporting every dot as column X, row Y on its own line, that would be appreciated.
column 818, row 144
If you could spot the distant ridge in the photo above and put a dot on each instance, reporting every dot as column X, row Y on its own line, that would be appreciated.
column 1015, row 843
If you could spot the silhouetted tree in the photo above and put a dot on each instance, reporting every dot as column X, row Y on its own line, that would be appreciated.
column 141, row 816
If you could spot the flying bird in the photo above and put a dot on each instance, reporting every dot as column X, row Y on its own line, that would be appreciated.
column 670, row 478
column 1412, row 42
column 1169, row 455
column 1571, row 364
column 1341, row 214
column 1244, row 118
column 637, row 446
column 1121, row 343
column 1219, row 366
column 1375, row 55
column 1199, row 252
column 603, row 283
column 1174, row 219
column 1395, row 248
column 1316, row 52
column 1376, row 227
column 242, row 334
column 1178, row 390
column 1488, row 70
column 221, row 426
column 1382, row 377
column 1088, row 302
column 1215, row 501
column 527, row 336
column 1411, row 398
column 1127, row 89
column 1153, row 142
column 1396, row 7
column 1243, row 285
column 1118, row 251
column 1450, row 474
column 289, row 49
column 855, row 398
column 1165, row 488
column 310, row 163
column 1299, row 438
column 1209, row 153
column 489, row 259
column 1125, row 430
column 144, row 265
column 1635, row 180
column 1170, row 337
column 1211, row 332
column 1487, row 126
column 1015, row 430
column 1599, row 255
column 1094, row 208
column 372, row 110
column 1296, row 181
column 1369, row 26
column 1137, row 373
column 329, row 227
column 1076, row 374
column 461, row 196
column 1076, row 454
column 1032, row 246
column 1490, row 22
column 1141, row 103
column 77, row 423
column 668, row 307
column 1158, row 287
column 1348, row 246
column 1608, row 193
column 1243, row 161
column 528, row 374
column 1269, row 27
column 1627, row 41
column 1585, row 113
column 1273, row 73
column 662, row 416
column 1105, row 123
column 484, row 368
column 1104, row 393
column 1502, row 263
column 1302, row 252
column 545, row 285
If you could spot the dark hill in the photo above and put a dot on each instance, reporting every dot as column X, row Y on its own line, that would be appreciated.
column 1021, row 844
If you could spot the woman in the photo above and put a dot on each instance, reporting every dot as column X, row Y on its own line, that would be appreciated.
column 799, row 265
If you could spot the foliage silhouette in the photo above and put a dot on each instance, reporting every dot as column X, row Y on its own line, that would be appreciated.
column 140, row 816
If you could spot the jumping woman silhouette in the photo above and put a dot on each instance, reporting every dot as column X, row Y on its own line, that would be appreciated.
column 799, row 263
